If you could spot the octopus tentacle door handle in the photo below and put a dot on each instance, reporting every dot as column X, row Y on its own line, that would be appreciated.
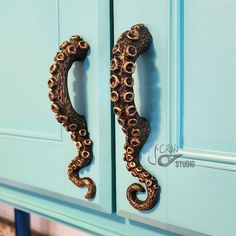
column 128, row 47
column 73, row 50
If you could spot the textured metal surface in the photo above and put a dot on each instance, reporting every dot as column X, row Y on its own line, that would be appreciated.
column 73, row 50
column 128, row 47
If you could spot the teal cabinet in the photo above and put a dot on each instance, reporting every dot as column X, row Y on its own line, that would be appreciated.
column 184, row 86
column 35, row 148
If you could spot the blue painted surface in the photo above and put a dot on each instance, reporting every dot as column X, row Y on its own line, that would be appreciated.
column 151, row 81
column 184, row 85
column 186, row 90
column 209, row 76
column 22, row 223
column 35, row 149
column 76, row 216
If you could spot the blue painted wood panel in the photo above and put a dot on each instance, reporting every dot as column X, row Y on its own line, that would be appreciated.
column 28, row 41
column 151, row 86
column 35, row 149
column 179, row 73
column 94, row 222
column 204, row 120
column 209, row 76
column 202, row 198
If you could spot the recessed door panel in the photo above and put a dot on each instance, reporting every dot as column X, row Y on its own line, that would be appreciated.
column 28, row 38
column 209, row 76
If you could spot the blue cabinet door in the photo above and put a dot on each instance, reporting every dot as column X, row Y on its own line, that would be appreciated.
column 185, row 87
column 35, row 149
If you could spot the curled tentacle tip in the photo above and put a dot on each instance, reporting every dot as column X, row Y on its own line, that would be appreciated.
column 91, row 188
column 90, row 195
column 142, row 205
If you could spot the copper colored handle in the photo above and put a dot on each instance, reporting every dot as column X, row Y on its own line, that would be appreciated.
column 129, row 46
column 73, row 50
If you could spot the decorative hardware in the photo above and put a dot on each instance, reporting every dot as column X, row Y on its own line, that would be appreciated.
column 129, row 46
column 73, row 50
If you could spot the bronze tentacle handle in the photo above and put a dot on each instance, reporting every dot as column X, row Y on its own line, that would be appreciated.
column 70, row 51
column 128, row 47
